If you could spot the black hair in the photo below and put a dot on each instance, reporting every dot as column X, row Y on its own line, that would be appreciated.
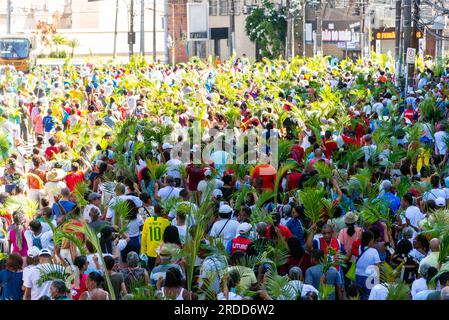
column 367, row 236
column 35, row 226
column 237, row 257
column 171, row 235
column 295, row 248
column 408, row 197
column 173, row 278
column 227, row 179
column 109, row 262
column 351, row 229
column 424, row 242
column 96, row 277
column 144, row 197
column 80, row 261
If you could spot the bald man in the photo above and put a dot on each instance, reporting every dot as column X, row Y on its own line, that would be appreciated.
column 432, row 257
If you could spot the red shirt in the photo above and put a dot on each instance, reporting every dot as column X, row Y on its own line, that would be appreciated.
column 297, row 153
column 73, row 178
column 409, row 114
column 50, row 151
column 195, row 175
column 330, row 146
column 285, row 232
column 293, row 180
column 268, row 175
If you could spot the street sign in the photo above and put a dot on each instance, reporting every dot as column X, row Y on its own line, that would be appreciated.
column 341, row 45
column 411, row 53
column 350, row 45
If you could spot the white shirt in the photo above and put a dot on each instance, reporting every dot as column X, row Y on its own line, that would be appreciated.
column 168, row 192
column 134, row 226
column 203, row 184
column 370, row 151
column 378, row 107
column 417, row 286
column 433, row 194
column 296, row 287
column 231, row 296
column 440, row 144
column 229, row 231
column 173, row 169
column 414, row 215
column 45, row 237
column 110, row 211
column 34, row 276
column 365, row 263
column 379, row 292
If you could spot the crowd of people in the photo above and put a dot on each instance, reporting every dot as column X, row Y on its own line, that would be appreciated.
column 97, row 205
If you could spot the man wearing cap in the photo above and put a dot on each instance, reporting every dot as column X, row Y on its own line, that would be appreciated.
column 165, row 258
column 208, row 182
column 34, row 291
column 242, row 241
column 225, row 227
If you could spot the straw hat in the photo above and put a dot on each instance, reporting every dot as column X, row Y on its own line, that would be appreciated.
column 55, row 175
column 350, row 218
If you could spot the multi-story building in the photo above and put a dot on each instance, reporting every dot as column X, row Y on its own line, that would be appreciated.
column 91, row 22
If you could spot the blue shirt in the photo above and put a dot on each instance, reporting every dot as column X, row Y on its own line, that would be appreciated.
column 49, row 123
column 66, row 205
column 12, row 285
column 296, row 229
column 393, row 201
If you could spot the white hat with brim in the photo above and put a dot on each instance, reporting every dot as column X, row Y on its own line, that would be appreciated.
column 55, row 175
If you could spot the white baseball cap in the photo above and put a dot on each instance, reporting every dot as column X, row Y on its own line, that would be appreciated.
column 217, row 193
column 166, row 146
column 225, row 209
column 208, row 172
column 33, row 252
column 244, row 228
column 440, row 202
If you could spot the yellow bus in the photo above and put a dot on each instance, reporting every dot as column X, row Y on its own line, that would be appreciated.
column 16, row 51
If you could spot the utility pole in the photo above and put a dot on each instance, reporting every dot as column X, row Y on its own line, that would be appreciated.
column 173, row 58
column 154, row 30
column 304, row 4
column 288, row 40
column 414, row 40
column 8, row 17
column 407, row 37
column 319, row 29
column 167, row 49
column 131, row 29
column 231, row 29
column 114, row 54
column 142, row 27
column 397, row 42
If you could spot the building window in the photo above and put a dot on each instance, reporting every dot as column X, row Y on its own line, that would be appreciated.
column 224, row 8
column 212, row 7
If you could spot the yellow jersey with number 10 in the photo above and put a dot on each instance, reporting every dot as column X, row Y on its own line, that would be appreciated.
column 152, row 232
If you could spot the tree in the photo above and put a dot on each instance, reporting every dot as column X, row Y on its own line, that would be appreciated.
column 59, row 40
column 73, row 44
column 267, row 26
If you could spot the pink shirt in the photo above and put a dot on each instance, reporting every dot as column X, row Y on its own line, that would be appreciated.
column 38, row 124
column 15, row 249
column 346, row 240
